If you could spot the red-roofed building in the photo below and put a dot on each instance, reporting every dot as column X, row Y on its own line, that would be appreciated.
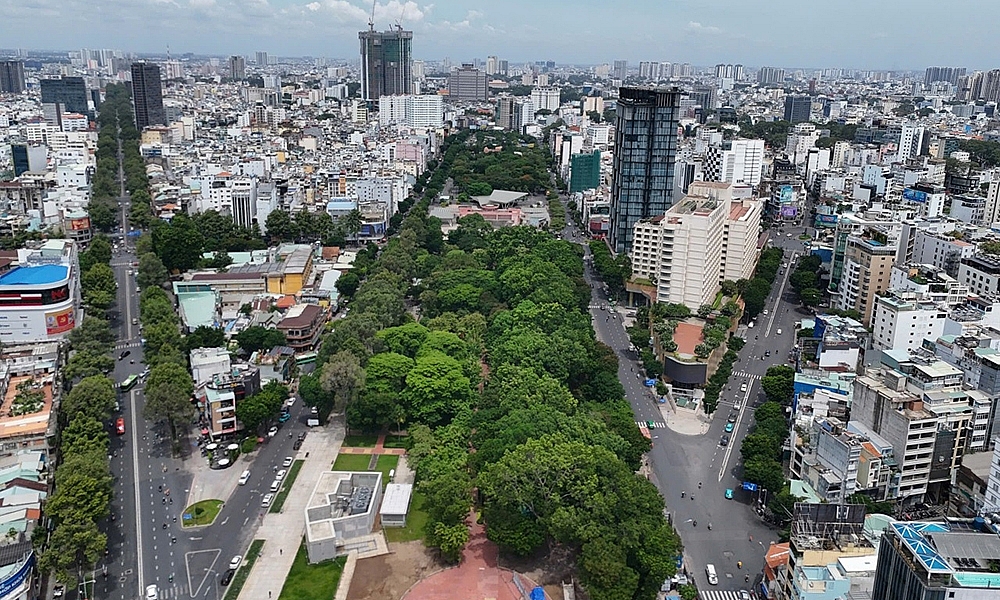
column 302, row 326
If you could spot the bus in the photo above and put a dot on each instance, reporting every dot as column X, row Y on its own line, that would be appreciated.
column 129, row 383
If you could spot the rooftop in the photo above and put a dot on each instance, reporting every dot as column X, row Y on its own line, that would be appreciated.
column 39, row 275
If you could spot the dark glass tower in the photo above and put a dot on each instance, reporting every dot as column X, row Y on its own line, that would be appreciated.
column 645, row 148
column 147, row 95
column 11, row 76
column 386, row 63
column 71, row 92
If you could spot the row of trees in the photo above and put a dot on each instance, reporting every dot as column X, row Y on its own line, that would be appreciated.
column 613, row 270
column 169, row 385
column 521, row 164
column 805, row 279
column 755, row 291
column 98, row 282
column 116, row 131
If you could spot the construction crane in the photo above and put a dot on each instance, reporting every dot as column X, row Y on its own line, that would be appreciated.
column 371, row 19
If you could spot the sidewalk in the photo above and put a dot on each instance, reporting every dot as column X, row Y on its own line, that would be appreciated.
column 284, row 531
column 685, row 421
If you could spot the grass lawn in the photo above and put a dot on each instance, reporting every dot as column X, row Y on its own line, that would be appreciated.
column 396, row 441
column 416, row 520
column 286, row 486
column 312, row 582
column 363, row 440
column 202, row 513
column 386, row 462
column 236, row 585
column 352, row 462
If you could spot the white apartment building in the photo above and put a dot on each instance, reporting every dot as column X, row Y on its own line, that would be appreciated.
column 598, row 134
column 411, row 110
column 942, row 251
column 981, row 273
column 743, row 162
column 902, row 321
column 911, row 140
column 993, row 485
column 700, row 241
column 968, row 209
column 545, row 98
column 800, row 140
column 391, row 110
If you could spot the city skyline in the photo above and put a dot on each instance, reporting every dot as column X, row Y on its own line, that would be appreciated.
column 595, row 33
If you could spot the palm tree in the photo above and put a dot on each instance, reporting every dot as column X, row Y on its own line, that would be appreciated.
column 352, row 222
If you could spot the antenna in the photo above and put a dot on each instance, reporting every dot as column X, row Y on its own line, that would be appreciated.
column 168, row 51
column 399, row 21
column 371, row 20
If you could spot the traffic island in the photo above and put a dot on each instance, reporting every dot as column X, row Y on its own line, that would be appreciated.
column 201, row 513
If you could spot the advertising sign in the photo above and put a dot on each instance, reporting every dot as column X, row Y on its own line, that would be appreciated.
column 826, row 220
column 786, row 194
column 16, row 579
column 79, row 224
column 789, row 211
column 914, row 195
column 60, row 321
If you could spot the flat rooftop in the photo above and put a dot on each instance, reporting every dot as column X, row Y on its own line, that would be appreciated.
column 39, row 275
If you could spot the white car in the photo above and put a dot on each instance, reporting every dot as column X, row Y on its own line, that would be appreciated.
column 280, row 475
column 779, row 331
column 743, row 387
column 151, row 592
column 287, row 462
column 272, row 431
column 765, row 312
column 290, row 401
column 267, row 500
column 245, row 477
column 235, row 563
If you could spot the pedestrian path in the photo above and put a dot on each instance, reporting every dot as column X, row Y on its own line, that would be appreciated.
column 175, row 591
column 719, row 595
column 128, row 344
column 656, row 424
column 745, row 375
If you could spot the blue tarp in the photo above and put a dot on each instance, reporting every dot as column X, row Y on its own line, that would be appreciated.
column 538, row 593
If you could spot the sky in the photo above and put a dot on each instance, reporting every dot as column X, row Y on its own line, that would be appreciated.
column 865, row 34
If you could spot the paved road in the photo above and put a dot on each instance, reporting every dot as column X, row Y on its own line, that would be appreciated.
column 146, row 542
column 681, row 463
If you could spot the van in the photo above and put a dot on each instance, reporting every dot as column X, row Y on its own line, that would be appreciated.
column 713, row 579
column 312, row 423
column 245, row 477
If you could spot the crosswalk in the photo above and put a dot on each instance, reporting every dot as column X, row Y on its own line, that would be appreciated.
column 128, row 345
column 656, row 424
column 175, row 591
column 719, row 595
column 744, row 375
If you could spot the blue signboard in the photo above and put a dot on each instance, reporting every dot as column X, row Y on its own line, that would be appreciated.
column 914, row 195
column 786, row 194
column 750, row 487
column 16, row 579
column 826, row 219
column 650, row 382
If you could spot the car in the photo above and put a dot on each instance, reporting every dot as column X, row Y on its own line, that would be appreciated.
column 788, row 235
column 651, row 424
column 314, row 411
column 729, row 427
column 244, row 477
column 135, row 321
column 152, row 593
column 297, row 444
column 283, row 417
column 266, row 501
column 302, row 436
column 743, row 387
column 724, row 441
column 273, row 431
column 235, row 562
column 732, row 417
column 765, row 312
column 729, row 494
column 767, row 353
column 290, row 401
column 227, row 576
column 124, row 354
column 778, row 331
column 744, row 595
column 713, row 579
column 275, row 485
column 120, row 426
column 58, row 590
column 287, row 462
column 280, row 474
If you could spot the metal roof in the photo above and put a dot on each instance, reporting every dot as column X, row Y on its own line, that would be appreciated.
column 396, row 500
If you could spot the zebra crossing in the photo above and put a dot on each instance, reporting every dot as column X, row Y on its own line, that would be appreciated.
column 128, row 345
column 175, row 591
column 721, row 595
column 656, row 424
column 743, row 375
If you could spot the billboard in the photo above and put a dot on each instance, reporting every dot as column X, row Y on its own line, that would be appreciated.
column 789, row 211
column 60, row 321
column 914, row 195
column 16, row 579
column 80, row 224
column 786, row 195
column 826, row 220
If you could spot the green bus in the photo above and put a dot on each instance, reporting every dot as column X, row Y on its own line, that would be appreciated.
column 129, row 383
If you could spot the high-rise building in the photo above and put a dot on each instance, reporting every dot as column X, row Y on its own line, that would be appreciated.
column 11, row 76
column 545, row 98
column 147, row 95
column 911, row 141
column 505, row 112
column 620, row 70
column 949, row 74
column 237, row 67
column 869, row 256
column 798, row 108
column 468, row 83
column 770, row 75
column 502, row 67
column 261, row 59
column 491, row 65
column 71, row 92
column 386, row 63
column 585, row 171
column 743, row 162
column 645, row 148
column 704, row 239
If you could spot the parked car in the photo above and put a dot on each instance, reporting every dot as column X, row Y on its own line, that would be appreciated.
column 152, row 593
column 729, row 427
column 272, row 431
column 724, row 441
column 235, row 562
column 297, row 444
column 266, row 501
column 283, row 417
column 227, row 576
column 245, row 477
column 287, row 462
column 280, row 474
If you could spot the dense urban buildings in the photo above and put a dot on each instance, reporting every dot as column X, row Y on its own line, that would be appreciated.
column 147, row 95
column 468, row 83
column 12, row 76
column 386, row 63
column 643, row 172
column 237, row 67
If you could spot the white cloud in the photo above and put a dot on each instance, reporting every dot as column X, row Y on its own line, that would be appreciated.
column 696, row 27
column 201, row 3
column 314, row 6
